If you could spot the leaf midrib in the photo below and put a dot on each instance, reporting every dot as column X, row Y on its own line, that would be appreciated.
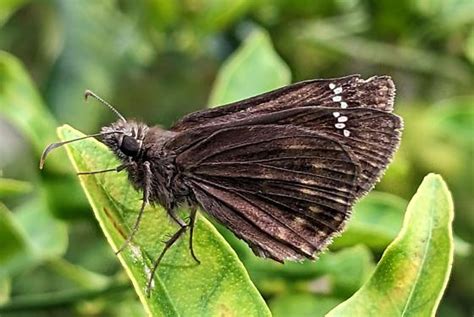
column 425, row 251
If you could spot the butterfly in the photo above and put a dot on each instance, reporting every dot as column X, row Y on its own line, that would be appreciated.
column 281, row 170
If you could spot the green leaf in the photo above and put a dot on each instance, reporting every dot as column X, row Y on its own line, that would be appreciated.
column 47, row 236
column 8, row 7
column 21, row 104
column 408, row 58
column 13, row 187
column 29, row 236
column 375, row 222
column 411, row 276
column 461, row 247
column 86, row 63
column 342, row 273
column 78, row 274
column 469, row 47
column 127, row 308
column 347, row 269
column 5, row 290
column 253, row 69
column 216, row 15
column 218, row 286
column 454, row 118
column 14, row 243
column 302, row 304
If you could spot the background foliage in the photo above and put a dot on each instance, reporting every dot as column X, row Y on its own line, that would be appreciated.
column 157, row 60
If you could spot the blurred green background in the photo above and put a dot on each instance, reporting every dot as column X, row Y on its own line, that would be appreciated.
column 157, row 60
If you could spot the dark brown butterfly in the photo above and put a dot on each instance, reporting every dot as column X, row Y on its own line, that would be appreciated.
column 281, row 170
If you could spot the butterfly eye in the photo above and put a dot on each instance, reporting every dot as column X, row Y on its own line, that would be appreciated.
column 129, row 146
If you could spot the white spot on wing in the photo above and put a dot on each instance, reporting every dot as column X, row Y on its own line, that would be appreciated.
column 342, row 119
column 346, row 132
column 332, row 86
column 307, row 181
column 343, row 105
column 307, row 191
column 336, row 114
column 336, row 98
column 337, row 90
column 340, row 125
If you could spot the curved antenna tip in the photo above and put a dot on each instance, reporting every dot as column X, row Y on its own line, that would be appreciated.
column 52, row 146
column 46, row 151
column 87, row 93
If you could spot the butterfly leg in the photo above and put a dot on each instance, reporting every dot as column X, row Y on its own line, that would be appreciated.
column 192, row 222
column 116, row 169
column 146, row 194
column 175, row 237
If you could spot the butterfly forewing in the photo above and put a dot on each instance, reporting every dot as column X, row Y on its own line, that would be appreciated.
column 377, row 93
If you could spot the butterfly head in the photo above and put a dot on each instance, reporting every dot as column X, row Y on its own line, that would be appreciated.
column 125, row 138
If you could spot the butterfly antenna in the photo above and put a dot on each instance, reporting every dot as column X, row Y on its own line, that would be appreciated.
column 53, row 146
column 88, row 93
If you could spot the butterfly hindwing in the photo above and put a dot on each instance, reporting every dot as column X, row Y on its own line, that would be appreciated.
column 278, row 182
